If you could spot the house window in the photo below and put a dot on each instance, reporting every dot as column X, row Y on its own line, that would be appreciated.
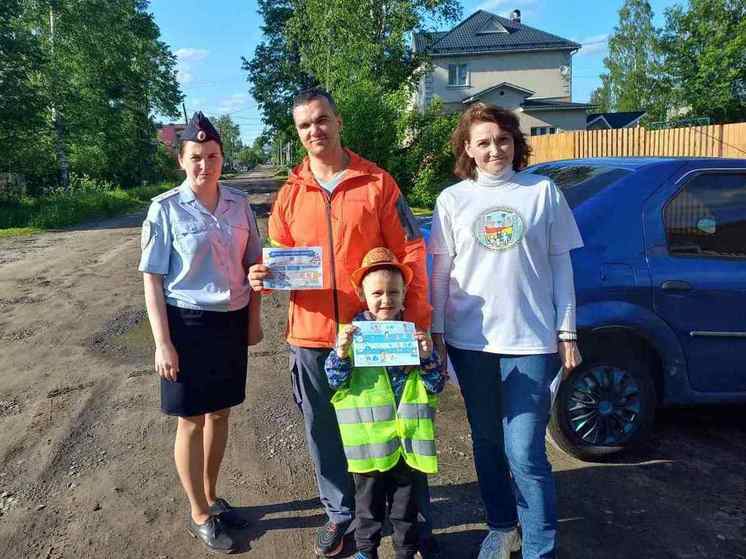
column 541, row 130
column 458, row 74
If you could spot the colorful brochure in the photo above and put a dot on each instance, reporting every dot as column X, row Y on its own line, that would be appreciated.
column 294, row 268
column 385, row 343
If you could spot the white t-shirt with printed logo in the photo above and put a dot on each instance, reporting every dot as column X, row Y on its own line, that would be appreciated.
column 500, row 238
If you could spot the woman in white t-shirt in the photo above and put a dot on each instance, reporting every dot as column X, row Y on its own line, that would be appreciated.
column 504, row 306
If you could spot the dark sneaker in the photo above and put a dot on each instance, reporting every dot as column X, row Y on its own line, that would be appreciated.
column 428, row 548
column 213, row 534
column 228, row 514
column 330, row 539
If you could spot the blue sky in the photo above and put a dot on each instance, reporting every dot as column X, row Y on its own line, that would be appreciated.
column 210, row 38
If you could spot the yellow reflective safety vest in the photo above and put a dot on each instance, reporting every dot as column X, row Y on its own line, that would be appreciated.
column 375, row 433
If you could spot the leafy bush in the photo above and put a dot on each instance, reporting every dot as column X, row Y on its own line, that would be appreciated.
column 369, row 116
column 424, row 166
column 65, row 208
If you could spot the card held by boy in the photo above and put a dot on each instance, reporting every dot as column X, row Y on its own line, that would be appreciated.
column 385, row 343
column 294, row 268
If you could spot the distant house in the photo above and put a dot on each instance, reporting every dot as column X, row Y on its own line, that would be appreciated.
column 169, row 134
column 503, row 61
column 607, row 121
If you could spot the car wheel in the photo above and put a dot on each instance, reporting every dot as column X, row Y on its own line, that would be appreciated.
column 604, row 408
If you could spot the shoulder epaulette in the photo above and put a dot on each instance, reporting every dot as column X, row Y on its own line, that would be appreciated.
column 165, row 195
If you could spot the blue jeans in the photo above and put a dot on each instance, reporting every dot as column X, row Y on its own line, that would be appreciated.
column 507, row 402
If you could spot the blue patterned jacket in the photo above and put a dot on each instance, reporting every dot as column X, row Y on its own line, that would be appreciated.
column 338, row 370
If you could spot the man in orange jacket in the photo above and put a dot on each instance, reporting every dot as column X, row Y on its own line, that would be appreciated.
column 337, row 200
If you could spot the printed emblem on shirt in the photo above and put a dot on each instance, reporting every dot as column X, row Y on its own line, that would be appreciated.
column 499, row 228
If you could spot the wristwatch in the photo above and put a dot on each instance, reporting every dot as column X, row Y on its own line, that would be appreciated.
column 565, row 336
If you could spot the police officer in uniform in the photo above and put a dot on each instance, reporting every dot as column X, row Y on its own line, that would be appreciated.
column 198, row 242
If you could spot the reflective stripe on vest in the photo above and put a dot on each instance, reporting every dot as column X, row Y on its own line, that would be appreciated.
column 365, row 415
column 416, row 446
column 371, row 451
column 375, row 433
column 416, row 411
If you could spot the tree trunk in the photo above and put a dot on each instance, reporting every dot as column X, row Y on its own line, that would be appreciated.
column 59, row 128
column 59, row 145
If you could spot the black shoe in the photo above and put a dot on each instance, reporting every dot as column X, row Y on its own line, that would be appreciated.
column 228, row 514
column 428, row 548
column 213, row 535
column 330, row 539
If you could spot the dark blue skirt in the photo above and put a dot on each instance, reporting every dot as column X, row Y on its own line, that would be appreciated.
column 213, row 353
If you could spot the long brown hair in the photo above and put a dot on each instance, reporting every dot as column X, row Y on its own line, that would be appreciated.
column 482, row 112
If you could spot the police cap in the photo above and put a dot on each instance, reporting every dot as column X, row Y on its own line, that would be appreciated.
column 200, row 129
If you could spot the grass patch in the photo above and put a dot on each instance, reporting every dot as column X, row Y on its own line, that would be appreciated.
column 28, row 215
column 422, row 212
column 18, row 232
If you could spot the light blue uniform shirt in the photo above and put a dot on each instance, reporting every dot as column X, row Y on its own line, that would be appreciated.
column 203, row 256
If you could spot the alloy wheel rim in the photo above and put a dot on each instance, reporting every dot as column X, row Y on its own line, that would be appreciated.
column 603, row 407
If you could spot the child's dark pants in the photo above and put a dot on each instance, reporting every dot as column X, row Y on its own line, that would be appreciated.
column 372, row 490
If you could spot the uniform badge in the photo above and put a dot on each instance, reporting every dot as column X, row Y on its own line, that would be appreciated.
column 146, row 234
column 201, row 135
column 499, row 228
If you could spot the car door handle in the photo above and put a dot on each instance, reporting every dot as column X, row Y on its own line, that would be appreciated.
column 676, row 285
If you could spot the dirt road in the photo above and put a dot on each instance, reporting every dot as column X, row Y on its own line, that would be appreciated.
column 86, row 465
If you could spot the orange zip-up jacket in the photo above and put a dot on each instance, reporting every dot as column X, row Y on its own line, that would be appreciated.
column 365, row 210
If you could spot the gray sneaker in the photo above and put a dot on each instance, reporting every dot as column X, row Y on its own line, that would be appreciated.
column 499, row 544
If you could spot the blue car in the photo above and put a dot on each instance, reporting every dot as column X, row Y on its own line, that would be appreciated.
column 661, row 294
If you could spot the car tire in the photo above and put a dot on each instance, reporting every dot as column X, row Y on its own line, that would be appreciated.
column 605, row 407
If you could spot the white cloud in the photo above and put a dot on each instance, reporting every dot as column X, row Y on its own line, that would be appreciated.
column 191, row 55
column 491, row 5
column 183, row 75
column 505, row 7
column 184, row 60
column 594, row 45
column 233, row 103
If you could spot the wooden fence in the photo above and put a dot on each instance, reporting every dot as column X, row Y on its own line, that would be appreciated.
column 719, row 140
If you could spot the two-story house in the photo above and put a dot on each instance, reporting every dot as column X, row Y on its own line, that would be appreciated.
column 503, row 61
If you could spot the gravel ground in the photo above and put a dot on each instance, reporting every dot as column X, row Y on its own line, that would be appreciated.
column 86, row 465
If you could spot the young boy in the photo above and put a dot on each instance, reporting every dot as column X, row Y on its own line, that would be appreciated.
column 385, row 415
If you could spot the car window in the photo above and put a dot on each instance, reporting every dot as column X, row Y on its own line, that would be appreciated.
column 708, row 216
column 580, row 182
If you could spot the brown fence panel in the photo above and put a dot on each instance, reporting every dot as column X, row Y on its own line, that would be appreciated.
column 734, row 140
column 719, row 140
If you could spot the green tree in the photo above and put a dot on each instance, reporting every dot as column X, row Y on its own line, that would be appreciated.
column 102, row 74
column 344, row 41
column 274, row 71
column 424, row 166
column 22, row 102
column 255, row 154
column 601, row 96
column 633, row 78
column 359, row 51
column 230, row 134
column 704, row 46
